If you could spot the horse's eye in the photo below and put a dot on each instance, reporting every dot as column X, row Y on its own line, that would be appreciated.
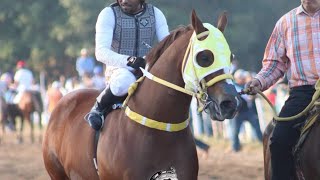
column 205, row 58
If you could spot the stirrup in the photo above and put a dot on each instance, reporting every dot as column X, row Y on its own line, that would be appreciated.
column 86, row 117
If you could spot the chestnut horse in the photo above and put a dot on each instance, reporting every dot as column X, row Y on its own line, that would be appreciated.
column 306, row 152
column 29, row 103
column 152, row 135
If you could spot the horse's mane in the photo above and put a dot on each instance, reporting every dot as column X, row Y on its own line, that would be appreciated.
column 157, row 51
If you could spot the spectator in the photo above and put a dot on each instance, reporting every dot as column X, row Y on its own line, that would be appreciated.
column 85, row 63
column 247, row 112
column 99, row 81
column 53, row 96
column 5, row 81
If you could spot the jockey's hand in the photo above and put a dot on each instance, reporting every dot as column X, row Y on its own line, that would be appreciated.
column 136, row 62
column 252, row 87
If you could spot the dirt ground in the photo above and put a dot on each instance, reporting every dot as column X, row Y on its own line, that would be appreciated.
column 24, row 161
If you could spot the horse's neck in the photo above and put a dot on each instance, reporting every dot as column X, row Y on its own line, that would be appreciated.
column 161, row 103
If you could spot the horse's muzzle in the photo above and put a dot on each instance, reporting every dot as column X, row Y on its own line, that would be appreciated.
column 225, row 105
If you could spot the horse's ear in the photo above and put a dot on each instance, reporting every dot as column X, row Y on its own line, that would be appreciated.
column 222, row 21
column 196, row 23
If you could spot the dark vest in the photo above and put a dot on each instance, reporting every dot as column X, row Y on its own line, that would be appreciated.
column 132, row 31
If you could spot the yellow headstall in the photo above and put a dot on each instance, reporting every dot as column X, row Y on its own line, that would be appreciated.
column 193, row 75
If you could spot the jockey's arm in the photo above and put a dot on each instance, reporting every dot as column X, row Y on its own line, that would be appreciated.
column 103, row 38
column 162, row 29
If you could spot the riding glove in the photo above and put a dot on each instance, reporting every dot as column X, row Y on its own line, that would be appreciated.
column 136, row 62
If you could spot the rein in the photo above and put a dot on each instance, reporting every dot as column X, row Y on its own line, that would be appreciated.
column 200, row 95
column 313, row 103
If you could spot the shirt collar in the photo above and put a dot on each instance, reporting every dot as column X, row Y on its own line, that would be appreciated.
column 300, row 10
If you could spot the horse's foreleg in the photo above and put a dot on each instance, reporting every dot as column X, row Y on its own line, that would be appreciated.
column 31, row 127
column 20, row 134
column 3, row 129
column 40, row 127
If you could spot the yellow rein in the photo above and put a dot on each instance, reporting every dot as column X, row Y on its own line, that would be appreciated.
column 183, row 90
column 313, row 102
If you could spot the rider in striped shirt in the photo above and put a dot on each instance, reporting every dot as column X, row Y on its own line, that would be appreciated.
column 293, row 49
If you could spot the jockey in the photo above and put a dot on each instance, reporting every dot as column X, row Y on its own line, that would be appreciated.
column 23, row 79
column 124, row 31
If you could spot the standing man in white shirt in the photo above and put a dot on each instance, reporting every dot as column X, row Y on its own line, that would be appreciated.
column 124, row 32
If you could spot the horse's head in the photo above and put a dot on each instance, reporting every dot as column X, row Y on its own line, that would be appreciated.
column 206, row 68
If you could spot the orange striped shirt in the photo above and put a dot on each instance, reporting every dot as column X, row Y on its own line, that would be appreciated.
column 294, row 49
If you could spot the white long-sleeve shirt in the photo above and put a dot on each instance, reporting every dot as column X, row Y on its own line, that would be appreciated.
column 104, row 35
column 24, row 78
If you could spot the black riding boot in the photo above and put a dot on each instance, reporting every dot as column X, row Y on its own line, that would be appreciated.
column 100, row 109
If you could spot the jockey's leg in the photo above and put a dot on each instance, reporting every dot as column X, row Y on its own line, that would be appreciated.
column 17, row 97
column 115, row 92
column 103, row 103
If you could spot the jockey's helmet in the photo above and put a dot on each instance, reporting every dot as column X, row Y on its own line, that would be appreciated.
column 21, row 64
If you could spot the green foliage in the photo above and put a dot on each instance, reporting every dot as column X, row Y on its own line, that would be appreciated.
column 50, row 33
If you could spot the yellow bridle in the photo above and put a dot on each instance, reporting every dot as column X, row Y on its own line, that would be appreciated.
column 189, row 69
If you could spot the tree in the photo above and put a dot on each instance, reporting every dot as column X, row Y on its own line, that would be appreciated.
column 50, row 33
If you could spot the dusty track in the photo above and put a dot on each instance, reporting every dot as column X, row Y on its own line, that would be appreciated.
column 24, row 161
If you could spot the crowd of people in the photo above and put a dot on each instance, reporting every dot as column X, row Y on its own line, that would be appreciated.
column 20, row 79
